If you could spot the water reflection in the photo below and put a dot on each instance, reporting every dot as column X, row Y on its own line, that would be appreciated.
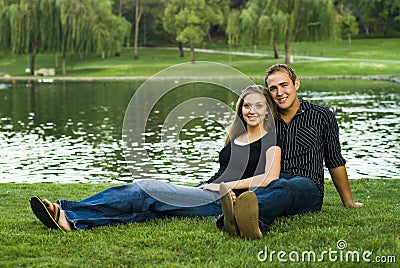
column 71, row 132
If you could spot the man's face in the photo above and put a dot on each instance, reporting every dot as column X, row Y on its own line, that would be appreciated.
column 282, row 89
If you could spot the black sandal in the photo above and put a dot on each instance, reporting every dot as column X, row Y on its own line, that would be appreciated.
column 43, row 214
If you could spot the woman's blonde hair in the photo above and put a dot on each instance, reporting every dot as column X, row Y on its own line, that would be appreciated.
column 239, row 125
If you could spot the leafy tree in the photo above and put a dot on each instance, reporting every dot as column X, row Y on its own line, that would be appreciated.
column 249, row 22
column 6, row 12
column 109, row 30
column 27, row 27
column 233, row 27
column 190, row 21
column 89, row 26
column 291, row 21
column 376, row 15
column 140, row 13
column 74, row 26
column 348, row 25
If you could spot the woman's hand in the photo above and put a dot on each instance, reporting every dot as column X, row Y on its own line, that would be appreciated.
column 214, row 187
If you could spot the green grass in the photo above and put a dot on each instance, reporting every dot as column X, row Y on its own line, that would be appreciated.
column 364, row 57
column 174, row 242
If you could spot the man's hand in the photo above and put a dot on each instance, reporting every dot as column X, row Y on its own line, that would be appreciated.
column 341, row 182
column 354, row 205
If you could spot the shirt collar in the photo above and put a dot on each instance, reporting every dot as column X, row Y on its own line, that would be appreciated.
column 304, row 105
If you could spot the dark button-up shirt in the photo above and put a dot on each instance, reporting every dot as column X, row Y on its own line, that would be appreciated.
column 309, row 140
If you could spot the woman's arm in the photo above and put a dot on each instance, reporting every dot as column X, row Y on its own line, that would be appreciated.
column 272, row 171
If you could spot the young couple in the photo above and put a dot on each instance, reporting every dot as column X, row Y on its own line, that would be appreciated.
column 263, row 175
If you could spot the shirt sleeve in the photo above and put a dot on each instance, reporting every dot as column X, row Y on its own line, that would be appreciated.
column 332, row 149
column 218, row 174
column 223, row 158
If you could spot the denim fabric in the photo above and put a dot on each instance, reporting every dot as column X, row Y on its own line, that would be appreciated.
column 288, row 195
column 140, row 201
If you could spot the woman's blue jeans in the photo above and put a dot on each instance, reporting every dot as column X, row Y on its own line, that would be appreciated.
column 140, row 201
column 289, row 195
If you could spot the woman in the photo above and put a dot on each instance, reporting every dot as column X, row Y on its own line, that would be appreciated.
column 251, row 136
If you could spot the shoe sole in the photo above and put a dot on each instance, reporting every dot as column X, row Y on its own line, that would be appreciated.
column 246, row 216
column 227, row 209
column 43, row 214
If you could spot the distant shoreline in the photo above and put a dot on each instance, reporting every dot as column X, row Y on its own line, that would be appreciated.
column 49, row 79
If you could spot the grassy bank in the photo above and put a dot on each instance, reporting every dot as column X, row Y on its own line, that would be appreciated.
column 363, row 57
column 173, row 242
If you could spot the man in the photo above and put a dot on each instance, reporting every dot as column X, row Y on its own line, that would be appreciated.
column 309, row 136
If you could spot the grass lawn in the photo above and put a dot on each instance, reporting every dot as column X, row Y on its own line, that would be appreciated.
column 363, row 57
column 174, row 242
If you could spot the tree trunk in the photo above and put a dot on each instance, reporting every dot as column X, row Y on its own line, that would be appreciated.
column 192, row 53
column 180, row 46
column 120, row 8
column 144, row 33
column 64, row 64
column 230, row 52
column 33, row 56
column 276, row 53
column 349, row 39
column 138, row 14
column 287, row 53
column 366, row 29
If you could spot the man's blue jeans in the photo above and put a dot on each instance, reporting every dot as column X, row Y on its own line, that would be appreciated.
column 140, row 201
column 288, row 195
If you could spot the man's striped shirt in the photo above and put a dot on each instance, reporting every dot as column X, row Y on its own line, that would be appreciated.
column 309, row 140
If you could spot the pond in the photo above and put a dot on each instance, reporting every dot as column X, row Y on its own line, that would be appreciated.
column 71, row 132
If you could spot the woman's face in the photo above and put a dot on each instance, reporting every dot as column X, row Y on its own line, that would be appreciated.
column 254, row 109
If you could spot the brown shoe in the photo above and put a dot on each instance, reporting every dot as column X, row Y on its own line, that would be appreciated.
column 246, row 215
column 227, row 209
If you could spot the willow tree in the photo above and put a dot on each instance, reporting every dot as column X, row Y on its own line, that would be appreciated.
column 307, row 20
column 89, row 26
column 109, row 31
column 291, row 21
column 6, row 13
column 27, row 28
column 233, row 28
column 190, row 21
column 348, row 27
column 249, row 21
column 56, row 26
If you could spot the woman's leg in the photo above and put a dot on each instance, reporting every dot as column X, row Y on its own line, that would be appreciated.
column 140, row 201
column 62, row 221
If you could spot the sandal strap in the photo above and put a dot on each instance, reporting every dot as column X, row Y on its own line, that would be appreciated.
column 56, row 212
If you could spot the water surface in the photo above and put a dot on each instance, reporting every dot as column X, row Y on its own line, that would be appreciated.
column 71, row 132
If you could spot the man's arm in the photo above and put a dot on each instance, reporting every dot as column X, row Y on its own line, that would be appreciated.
column 341, row 182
